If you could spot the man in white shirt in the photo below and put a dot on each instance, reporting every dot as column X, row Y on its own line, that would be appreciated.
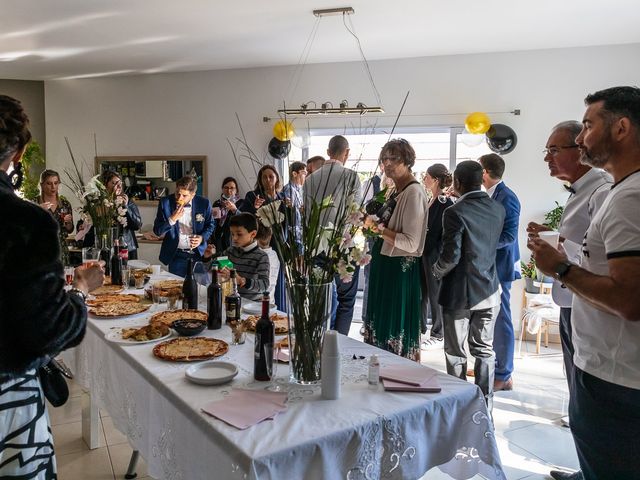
column 605, row 395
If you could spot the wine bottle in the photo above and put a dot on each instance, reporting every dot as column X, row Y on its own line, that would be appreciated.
column 116, row 265
column 124, row 249
column 232, row 301
column 190, row 289
column 263, row 350
column 214, row 302
column 105, row 255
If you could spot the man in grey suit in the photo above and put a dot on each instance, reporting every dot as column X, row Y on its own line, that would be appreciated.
column 470, row 294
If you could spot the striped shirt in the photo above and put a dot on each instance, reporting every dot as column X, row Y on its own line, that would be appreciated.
column 251, row 263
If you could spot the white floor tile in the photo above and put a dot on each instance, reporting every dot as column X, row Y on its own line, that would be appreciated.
column 67, row 413
column 90, row 465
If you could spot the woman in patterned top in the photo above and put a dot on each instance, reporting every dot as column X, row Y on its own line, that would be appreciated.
column 58, row 206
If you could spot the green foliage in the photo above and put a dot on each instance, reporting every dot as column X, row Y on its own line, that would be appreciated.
column 528, row 269
column 552, row 218
column 32, row 160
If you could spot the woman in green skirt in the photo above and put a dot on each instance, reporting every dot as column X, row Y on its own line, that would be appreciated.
column 394, row 299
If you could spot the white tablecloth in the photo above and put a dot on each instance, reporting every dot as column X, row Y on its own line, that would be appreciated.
column 366, row 434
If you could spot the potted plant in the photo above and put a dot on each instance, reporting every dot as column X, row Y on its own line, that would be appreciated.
column 552, row 218
column 529, row 273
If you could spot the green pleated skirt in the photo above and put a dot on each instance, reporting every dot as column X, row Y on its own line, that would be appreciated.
column 394, row 304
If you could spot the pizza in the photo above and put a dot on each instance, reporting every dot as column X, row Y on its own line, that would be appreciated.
column 110, row 298
column 279, row 321
column 107, row 289
column 190, row 349
column 146, row 333
column 118, row 309
column 170, row 316
column 168, row 284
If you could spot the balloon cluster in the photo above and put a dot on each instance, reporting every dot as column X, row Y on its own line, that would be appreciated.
column 280, row 144
column 478, row 127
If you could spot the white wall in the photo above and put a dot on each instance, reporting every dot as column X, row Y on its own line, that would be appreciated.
column 194, row 113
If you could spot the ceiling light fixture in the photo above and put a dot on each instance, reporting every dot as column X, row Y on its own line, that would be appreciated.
column 327, row 108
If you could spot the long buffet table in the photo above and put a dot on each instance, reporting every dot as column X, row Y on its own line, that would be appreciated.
column 366, row 434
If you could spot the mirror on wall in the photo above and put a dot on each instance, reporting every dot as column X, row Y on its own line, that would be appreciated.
column 149, row 178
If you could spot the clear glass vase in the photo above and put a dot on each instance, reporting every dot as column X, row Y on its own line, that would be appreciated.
column 104, row 237
column 309, row 315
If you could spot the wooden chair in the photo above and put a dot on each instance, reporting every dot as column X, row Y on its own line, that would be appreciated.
column 548, row 314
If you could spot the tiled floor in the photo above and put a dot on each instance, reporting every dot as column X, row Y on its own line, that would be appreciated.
column 530, row 437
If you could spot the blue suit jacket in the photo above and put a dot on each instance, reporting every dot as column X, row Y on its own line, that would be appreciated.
column 161, row 226
column 508, row 252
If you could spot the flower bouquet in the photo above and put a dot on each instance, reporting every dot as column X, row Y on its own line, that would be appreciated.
column 99, row 207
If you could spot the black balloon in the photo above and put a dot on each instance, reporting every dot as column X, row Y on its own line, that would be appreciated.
column 501, row 139
column 279, row 149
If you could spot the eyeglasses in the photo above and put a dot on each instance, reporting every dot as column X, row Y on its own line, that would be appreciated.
column 390, row 159
column 555, row 150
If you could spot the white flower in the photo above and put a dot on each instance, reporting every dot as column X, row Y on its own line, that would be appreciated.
column 323, row 239
column 355, row 218
column 360, row 257
column 199, row 217
column 343, row 270
column 122, row 221
column 270, row 214
column 347, row 240
column 122, row 211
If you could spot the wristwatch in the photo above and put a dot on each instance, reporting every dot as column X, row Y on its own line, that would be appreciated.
column 561, row 269
column 78, row 292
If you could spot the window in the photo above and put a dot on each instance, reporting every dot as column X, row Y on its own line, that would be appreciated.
column 447, row 145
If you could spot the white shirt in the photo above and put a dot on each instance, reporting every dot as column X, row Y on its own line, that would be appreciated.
column 491, row 191
column 608, row 346
column 590, row 190
column 186, row 228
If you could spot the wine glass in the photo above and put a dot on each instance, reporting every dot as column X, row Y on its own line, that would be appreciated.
column 192, row 237
column 272, row 351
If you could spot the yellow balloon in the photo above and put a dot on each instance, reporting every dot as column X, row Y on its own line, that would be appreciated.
column 283, row 130
column 477, row 123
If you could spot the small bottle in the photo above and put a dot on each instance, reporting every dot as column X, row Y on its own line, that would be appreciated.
column 214, row 302
column 232, row 301
column 374, row 370
column 263, row 348
column 190, row 289
column 330, row 367
column 116, row 265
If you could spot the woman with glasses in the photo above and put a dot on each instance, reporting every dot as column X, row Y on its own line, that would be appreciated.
column 113, row 183
column 58, row 206
column 394, row 300
column 436, row 180
column 228, row 205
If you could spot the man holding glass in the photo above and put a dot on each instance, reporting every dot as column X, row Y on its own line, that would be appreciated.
column 184, row 219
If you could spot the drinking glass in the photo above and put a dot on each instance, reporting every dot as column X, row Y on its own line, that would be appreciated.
column 238, row 333
column 192, row 237
column 172, row 298
column 138, row 279
column 90, row 255
column 273, row 351
column 157, row 295
column 126, row 274
column 68, row 275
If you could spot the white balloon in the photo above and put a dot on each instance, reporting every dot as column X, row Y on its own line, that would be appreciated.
column 470, row 139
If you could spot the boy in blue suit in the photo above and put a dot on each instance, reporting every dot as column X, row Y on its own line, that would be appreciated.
column 507, row 266
column 186, row 223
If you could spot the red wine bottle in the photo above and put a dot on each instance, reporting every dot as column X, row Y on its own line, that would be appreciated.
column 116, row 265
column 214, row 302
column 265, row 335
column 190, row 289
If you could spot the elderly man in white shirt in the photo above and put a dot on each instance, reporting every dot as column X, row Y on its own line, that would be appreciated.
column 605, row 319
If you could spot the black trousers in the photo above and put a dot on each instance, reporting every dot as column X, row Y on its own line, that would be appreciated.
column 567, row 344
column 605, row 423
column 430, row 287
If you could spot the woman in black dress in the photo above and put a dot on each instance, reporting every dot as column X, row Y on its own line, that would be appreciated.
column 228, row 205
column 58, row 206
column 435, row 181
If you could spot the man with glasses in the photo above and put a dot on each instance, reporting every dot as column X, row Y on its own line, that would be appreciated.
column 588, row 187
column 605, row 316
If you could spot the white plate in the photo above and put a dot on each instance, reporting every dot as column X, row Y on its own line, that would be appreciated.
column 254, row 308
column 138, row 264
column 115, row 335
column 211, row 373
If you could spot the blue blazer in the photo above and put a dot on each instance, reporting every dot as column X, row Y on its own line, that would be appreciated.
column 161, row 226
column 508, row 252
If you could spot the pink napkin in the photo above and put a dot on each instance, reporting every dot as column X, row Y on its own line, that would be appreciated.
column 243, row 408
column 411, row 375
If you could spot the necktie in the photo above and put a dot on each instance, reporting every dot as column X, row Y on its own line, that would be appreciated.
column 569, row 188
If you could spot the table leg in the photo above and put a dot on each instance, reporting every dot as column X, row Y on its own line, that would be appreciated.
column 91, row 424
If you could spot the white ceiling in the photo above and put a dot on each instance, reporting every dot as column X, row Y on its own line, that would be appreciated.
column 46, row 39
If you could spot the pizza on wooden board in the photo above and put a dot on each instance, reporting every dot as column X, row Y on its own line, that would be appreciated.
column 190, row 349
column 170, row 316
column 107, row 289
column 118, row 309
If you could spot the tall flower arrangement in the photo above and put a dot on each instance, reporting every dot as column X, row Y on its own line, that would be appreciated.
column 100, row 207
